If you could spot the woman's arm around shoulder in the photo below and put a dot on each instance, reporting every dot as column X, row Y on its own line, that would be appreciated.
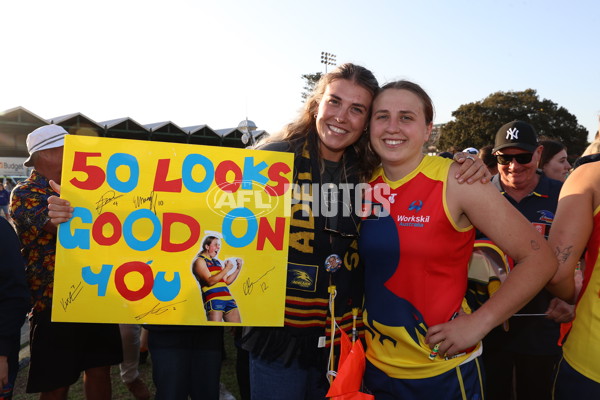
column 470, row 169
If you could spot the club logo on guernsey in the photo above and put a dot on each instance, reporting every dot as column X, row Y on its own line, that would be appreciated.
column 415, row 221
column 546, row 216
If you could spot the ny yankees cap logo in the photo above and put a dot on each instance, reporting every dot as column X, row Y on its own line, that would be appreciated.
column 512, row 134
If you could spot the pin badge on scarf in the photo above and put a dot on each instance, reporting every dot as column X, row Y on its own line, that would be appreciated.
column 333, row 262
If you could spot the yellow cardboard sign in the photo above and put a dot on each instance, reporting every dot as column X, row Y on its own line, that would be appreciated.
column 142, row 212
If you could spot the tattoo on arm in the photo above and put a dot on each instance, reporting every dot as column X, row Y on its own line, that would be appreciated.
column 535, row 245
column 563, row 254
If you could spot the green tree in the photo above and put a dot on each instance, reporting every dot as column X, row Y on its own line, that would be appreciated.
column 310, row 81
column 475, row 124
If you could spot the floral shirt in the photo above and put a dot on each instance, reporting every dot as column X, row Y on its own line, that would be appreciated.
column 29, row 211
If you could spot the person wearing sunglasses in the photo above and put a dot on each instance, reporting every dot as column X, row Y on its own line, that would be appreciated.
column 529, row 348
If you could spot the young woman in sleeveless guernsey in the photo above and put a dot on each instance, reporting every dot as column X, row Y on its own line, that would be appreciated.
column 416, row 255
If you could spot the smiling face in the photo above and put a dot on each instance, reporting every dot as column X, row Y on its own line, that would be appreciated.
column 398, row 131
column 341, row 117
column 519, row 176
column 558, row 167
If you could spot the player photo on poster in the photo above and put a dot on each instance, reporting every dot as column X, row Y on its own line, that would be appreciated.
column 168, row 233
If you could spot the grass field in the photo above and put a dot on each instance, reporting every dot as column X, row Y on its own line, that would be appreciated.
column 120, row 392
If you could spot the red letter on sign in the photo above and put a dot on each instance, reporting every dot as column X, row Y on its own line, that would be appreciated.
column 160, row 179
column 168, row 220
column 95, row 174
column 274, row 236
column 103, row 219
column 221, row 176
column 275, row 175
column 134, row 266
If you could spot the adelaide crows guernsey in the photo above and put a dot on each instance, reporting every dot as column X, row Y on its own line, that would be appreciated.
column 416, row 265
column 582, row 349
column 219, row 290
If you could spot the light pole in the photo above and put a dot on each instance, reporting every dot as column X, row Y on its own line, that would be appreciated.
column 327, row 59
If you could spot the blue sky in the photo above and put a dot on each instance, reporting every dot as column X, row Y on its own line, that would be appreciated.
column 216, row 62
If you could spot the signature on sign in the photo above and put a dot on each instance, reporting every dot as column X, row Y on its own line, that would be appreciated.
column 159, row 309
column 72, row 296
column 249, row 284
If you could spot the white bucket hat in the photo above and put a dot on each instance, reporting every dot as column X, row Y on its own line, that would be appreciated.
column 44, row 137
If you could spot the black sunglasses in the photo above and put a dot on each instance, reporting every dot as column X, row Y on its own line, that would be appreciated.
column 505, row 159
